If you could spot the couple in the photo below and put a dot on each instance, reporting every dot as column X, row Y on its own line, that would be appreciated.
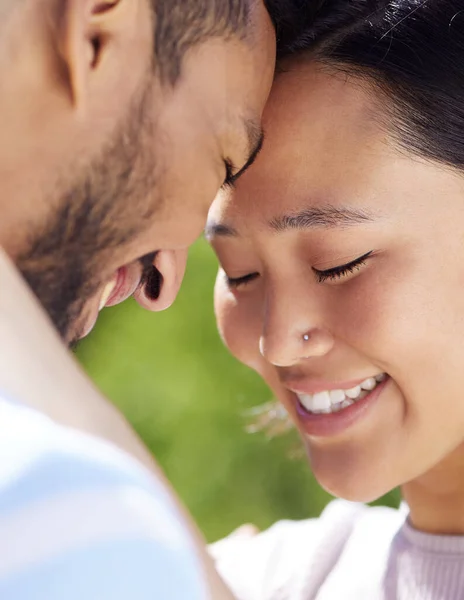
column 340, row 284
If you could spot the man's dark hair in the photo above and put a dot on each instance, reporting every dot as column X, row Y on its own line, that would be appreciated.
column 411, row 51
column 183, row 24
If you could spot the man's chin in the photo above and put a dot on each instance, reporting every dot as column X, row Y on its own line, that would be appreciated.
column 83, row 329
column 78, row 329
column 76, row 318
column 81, row 326
column 122, row 285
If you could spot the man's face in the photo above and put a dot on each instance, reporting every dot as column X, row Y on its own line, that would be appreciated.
column 149, row 186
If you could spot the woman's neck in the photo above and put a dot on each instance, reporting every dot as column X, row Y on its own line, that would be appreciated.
column 436, row 499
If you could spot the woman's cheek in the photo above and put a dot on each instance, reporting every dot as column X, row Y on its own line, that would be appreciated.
column 238, row 324
column 361, row 313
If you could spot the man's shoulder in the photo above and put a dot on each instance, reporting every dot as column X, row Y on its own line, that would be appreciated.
column 79, row 518
column 39, row 453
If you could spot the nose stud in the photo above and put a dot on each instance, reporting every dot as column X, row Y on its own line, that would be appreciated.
column 306, row 337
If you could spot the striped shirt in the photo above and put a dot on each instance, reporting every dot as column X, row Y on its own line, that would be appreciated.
column 80, row 519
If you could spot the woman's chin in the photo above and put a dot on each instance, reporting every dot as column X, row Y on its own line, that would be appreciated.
column 354, row 493
column 352, row 489
column 352, row 484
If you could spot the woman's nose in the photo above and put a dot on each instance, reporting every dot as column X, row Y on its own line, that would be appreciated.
column 293, row 329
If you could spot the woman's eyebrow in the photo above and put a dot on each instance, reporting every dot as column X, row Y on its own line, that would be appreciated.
column 214, row 229
column 321, row 216
column 328, row 216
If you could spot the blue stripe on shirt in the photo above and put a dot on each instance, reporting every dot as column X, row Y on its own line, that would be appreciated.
column 54, row 473
column 127, row 570
column 50, row 549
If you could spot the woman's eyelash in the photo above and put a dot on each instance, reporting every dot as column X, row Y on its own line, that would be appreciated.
column 322, row 276
column 343, row 270
column 238, row 281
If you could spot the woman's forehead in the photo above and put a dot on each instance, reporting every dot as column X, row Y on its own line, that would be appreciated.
column 324, row 148
column 311, row 88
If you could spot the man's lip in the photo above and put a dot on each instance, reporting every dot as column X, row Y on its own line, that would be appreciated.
column 316, row 386
column 127, row 281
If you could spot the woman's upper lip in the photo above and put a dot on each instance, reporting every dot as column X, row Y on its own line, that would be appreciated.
column 314, row 386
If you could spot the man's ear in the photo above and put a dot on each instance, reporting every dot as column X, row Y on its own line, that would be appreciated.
column 84, row 30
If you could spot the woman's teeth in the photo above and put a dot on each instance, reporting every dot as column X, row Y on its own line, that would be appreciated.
column 335, row 400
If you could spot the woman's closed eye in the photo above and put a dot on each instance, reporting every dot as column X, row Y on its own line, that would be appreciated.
column 235, row 282
column 337, row 273
column 333, row 274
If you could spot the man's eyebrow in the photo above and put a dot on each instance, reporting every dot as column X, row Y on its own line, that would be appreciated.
column 321, row 216
column 255, row 135
column 309, row 218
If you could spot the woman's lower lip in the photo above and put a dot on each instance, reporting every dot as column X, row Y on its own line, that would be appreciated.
column 332, row 424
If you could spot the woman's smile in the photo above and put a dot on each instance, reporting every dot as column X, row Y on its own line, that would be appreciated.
column 335, row 397
column 331, row 412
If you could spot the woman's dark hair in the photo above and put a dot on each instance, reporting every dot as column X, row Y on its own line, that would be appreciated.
column 290, row 19
column 411, row 50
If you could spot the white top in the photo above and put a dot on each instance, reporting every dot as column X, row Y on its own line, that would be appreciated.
column 352, row 552
column 80, row 519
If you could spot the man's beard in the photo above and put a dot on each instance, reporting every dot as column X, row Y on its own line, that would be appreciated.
column 104, row 210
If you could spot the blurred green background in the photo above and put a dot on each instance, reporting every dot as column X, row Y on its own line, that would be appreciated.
column 190, row 401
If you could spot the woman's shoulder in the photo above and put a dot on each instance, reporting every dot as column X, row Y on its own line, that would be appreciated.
column 294, row 556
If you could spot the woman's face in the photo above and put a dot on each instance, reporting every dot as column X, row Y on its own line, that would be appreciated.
column 343, row 264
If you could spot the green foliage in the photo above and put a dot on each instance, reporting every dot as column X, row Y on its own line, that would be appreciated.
column 188, row 398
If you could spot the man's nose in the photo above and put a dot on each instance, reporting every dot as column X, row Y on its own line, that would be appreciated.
column 293, row 328
column 162, row 287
